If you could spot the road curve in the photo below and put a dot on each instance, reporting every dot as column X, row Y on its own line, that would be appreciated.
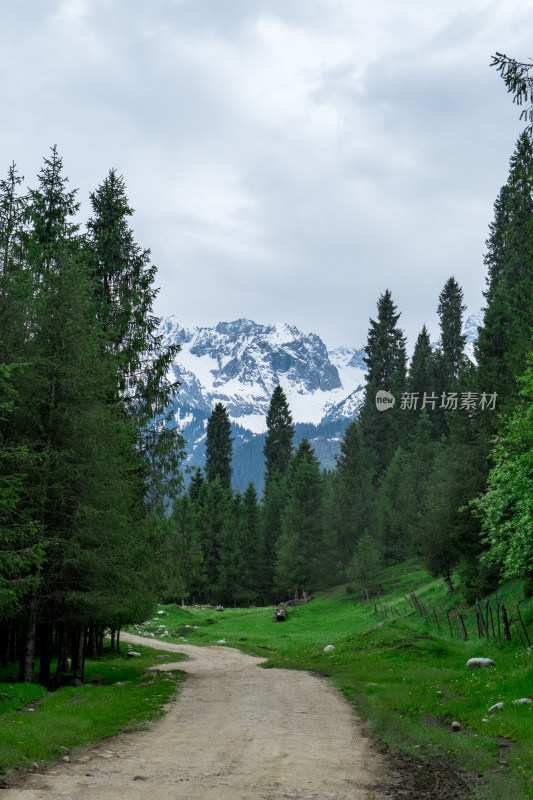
column 234, row 732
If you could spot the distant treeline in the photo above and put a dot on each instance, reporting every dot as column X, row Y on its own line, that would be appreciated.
column 248, row 462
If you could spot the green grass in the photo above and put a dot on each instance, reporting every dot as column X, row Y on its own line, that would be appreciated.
column 73, row 717
column 405, row 675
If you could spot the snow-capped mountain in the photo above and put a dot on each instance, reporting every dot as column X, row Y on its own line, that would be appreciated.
column 470, row 330
column 240, row 364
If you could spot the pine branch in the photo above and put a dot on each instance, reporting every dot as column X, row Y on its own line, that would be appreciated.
column 516, row 76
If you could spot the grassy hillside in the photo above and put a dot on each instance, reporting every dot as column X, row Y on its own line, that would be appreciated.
column 404, row 672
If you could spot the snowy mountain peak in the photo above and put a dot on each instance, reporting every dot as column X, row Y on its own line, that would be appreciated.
column 240, row 363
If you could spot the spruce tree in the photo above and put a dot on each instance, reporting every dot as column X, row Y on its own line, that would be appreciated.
column 253, row 543
column 22, row 549
column 219, row 446
column 125, row 292
column 301, row 547
column 353, row 496
column 386, row 361
column 422, row 383
column 450, row 360
column 21, row 543
column 51, row 249
column 421, row 375
column 452, row 341
column 241, row 557
column 280, row 433
column 15, row 288
column 216, row 529
column 505, row 336
column 273, row 505
column 365, row 565
column 391, row 506
column 189, row 514
column 277, row 451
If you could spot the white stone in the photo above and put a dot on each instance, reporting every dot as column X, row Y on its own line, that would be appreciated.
column 479, row 662
column 133, row 654
column 456, row 726
column 496, row 707
column 329, row 648
column 522, row 700
column 221, row 641
column 160, row 612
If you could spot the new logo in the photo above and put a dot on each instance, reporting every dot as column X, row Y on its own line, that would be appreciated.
column 384, row 400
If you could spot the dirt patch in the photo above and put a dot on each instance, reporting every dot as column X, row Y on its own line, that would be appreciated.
column 426, row 779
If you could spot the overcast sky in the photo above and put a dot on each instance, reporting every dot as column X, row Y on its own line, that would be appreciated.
column 288, row 160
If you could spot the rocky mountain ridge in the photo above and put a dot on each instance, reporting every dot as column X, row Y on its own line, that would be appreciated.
column 240, row 363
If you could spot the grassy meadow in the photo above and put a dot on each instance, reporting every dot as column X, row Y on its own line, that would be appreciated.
column 404, row 673
column 37, row 725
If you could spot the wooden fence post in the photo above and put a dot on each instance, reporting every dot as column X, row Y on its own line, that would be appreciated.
column 461, row 623
column 449, row 623
column 523, row 626
column 506, row 626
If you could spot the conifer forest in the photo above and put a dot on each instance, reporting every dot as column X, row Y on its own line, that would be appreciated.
column 98, row 525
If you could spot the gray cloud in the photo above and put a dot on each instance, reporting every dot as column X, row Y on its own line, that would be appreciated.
column 286, row 160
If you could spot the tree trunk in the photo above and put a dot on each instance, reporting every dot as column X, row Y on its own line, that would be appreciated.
column 45, row 653
column 91, row 641
column 100, row 642
column 14, row 646
column 5, row 637
column 27, row 661
column 85, row 638
column 62, row 654
column 76, row 650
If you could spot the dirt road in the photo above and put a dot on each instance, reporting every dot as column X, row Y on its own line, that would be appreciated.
column 234, row 732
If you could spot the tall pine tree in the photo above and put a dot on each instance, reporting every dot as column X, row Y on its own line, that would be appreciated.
column 219, row 446
column 280, row 433
column 386, row 361
column 353, row 496
column 505, row 336
column 301, row 548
